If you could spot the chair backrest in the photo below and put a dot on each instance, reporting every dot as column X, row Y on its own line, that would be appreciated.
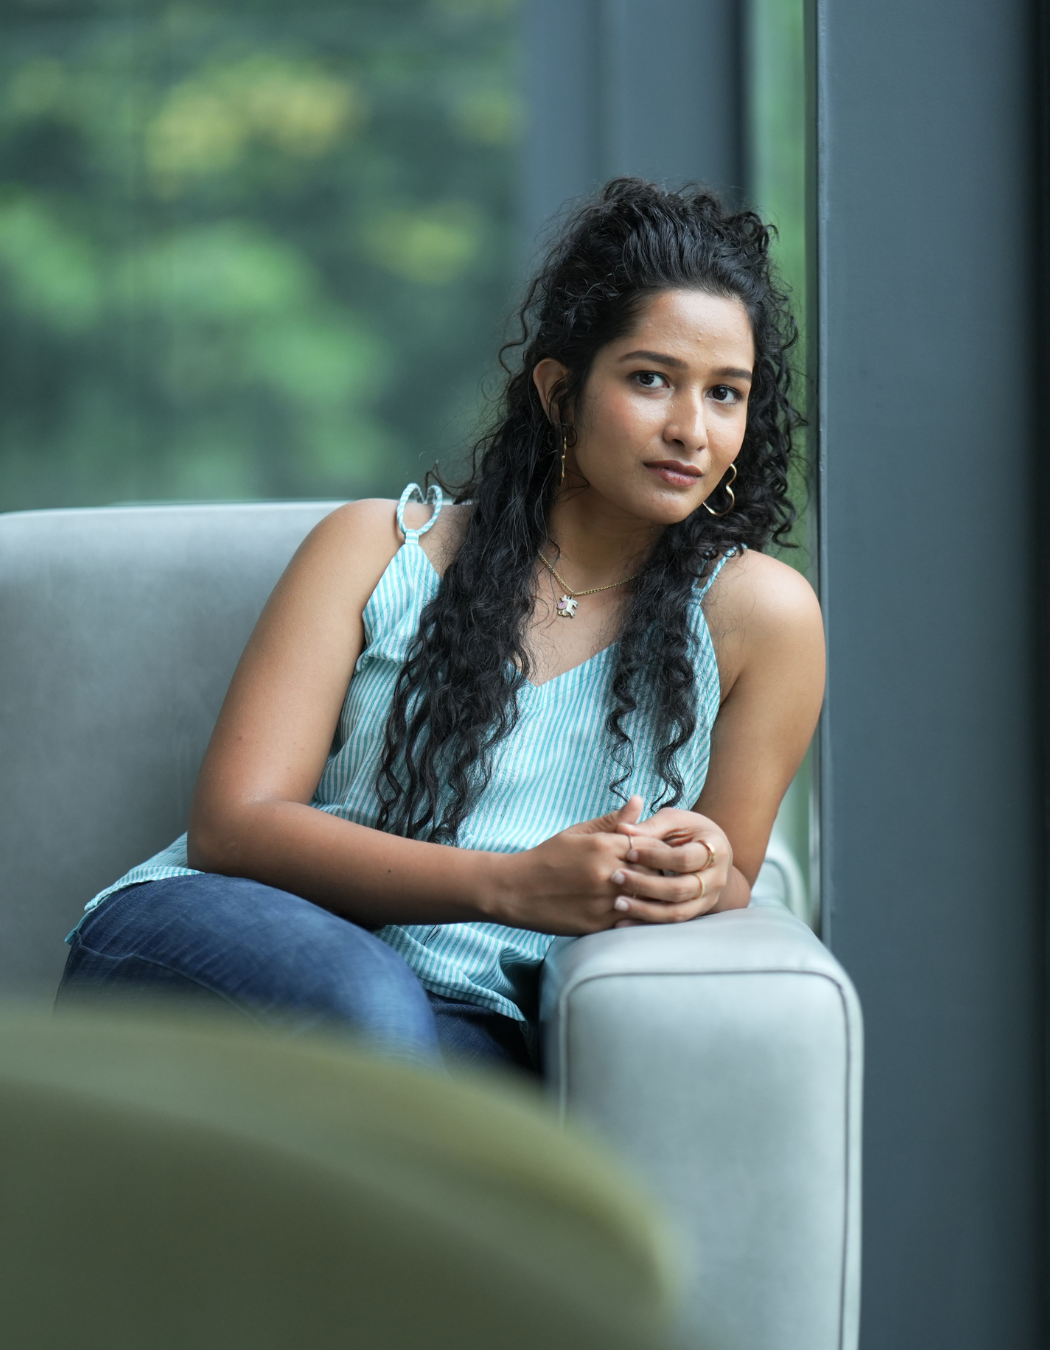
column 119, row 631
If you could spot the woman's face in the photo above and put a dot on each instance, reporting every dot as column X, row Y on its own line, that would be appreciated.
column 663, row 412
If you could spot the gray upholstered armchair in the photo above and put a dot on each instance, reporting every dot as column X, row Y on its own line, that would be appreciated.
column 722, row 1057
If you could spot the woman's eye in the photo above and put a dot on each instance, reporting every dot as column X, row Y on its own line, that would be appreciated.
column 650, row 379
column 724, row 393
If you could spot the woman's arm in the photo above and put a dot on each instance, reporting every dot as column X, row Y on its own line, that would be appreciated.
column 251, row 814
column 769, row 639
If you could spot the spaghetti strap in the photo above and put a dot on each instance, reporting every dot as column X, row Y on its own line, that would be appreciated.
column 436, row 499
column 733, row 552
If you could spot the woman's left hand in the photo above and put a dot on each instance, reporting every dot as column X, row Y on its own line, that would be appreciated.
column 688, row 846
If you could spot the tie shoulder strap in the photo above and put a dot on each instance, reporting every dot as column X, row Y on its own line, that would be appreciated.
column 436, row 499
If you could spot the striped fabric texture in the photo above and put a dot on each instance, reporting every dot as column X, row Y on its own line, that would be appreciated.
column 554, row 770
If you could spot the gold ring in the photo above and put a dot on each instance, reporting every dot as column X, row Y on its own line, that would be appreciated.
column 702, row 884
column 710, row 856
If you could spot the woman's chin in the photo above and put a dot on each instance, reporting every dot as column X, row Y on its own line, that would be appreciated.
column 668, row 506
column 653, row 503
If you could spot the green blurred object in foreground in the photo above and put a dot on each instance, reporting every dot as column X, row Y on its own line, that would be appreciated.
column 180, row 1183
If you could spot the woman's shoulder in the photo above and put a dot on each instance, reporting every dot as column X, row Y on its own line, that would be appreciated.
column 361, row 534
column 369, row 526
column 361, row 538
column 759, row 608
column 757, row 586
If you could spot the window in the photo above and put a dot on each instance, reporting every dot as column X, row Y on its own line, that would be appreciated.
column 775, row 119
column 248, row 251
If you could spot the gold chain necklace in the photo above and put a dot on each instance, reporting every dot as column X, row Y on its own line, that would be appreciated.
column 567, row 602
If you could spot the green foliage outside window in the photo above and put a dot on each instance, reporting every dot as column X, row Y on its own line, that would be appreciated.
column 248, row 251
column 776, row 143
column 776, row 106
column 776, row 84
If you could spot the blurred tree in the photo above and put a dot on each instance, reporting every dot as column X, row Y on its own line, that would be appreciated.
column 248, row 250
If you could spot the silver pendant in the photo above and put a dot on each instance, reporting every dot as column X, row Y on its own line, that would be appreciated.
column 566, row 607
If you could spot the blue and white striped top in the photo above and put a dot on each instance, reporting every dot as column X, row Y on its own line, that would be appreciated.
column 552, row 771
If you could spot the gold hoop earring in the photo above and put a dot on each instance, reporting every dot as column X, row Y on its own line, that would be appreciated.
column 564, row 452
column 732, row 496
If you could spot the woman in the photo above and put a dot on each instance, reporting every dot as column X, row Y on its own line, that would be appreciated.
column 570, row 701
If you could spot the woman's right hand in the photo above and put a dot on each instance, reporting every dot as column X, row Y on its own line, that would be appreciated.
column 565, row 885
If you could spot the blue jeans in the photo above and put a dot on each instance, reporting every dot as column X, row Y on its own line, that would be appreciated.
column 280, row 960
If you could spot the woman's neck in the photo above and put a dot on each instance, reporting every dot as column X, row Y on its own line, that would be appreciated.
column 598, row 540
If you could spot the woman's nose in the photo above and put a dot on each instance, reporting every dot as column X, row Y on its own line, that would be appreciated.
column 686, row 426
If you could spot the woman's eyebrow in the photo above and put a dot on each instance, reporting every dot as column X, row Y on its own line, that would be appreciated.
column 662, row 360
column 728, row 372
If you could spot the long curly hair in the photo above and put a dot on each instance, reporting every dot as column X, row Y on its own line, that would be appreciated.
column 457, row 695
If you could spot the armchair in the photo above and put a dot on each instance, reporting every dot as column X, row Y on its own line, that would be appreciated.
column 721, row 1057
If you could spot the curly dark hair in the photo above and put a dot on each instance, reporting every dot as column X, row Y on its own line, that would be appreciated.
column 457, row 695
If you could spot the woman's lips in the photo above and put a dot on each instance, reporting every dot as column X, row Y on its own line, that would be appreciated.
column 677, row 475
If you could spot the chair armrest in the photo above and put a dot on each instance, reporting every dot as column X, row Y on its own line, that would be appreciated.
column 723, row 1058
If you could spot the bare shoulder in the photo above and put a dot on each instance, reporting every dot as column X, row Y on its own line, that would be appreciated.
column 339, row 563
column 756, row 590
column 761, row 610
column 364, row 533
column 360, row 539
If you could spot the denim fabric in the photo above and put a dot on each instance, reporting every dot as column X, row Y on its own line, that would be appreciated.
column 278, row 959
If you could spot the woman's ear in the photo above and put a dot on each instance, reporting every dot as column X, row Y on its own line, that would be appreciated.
column 546, row 376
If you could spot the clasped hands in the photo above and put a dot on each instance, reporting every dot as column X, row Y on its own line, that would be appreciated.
column 612, row 872
column 678, row 864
